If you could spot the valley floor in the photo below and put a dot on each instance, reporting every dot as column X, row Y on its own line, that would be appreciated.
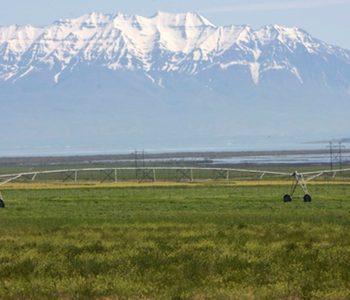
column 174, row 242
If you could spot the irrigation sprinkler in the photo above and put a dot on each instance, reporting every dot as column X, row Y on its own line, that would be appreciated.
column 2, row 202
column 300, row 179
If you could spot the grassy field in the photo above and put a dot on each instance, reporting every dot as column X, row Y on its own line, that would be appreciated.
column 194, row 241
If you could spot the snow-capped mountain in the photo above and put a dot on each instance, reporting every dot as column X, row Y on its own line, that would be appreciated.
column 165, row 43
column 99, row 69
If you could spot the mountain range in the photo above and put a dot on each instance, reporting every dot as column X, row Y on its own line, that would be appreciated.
column 115, row 81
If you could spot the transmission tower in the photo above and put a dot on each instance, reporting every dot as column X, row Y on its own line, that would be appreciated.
column 336, row 155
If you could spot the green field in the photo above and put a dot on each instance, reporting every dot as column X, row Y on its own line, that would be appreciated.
column 179, row 242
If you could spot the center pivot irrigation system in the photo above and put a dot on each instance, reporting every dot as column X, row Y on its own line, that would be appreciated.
column 181, row 174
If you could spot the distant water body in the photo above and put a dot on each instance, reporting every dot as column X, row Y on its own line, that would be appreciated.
column 69, row 150
column 236, row 158
column 239, row 144
column 281, row 159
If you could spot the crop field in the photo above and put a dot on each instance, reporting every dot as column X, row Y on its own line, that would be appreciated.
column 174, row 241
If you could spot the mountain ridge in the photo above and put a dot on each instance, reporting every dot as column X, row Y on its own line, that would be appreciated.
column 184, row 43
column 168, row 81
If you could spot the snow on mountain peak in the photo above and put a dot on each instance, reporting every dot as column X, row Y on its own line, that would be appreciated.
column 165, row 42
column 190, row 19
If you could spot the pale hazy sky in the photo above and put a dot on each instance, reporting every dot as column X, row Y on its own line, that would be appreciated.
column 328, row 20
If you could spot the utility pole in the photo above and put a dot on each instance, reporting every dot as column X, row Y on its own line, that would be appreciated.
column 331, row 155
column 340, row 155
column 135, row 162
column 143, row 164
